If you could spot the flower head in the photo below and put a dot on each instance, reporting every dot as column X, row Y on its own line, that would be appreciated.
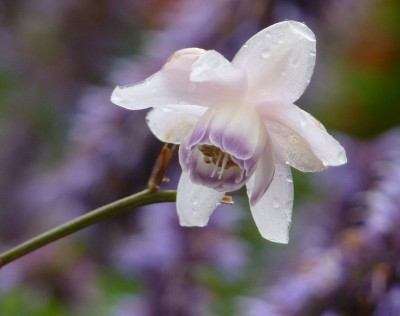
column 237, row 124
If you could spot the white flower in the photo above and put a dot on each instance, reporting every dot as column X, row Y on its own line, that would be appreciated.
column 237, row 124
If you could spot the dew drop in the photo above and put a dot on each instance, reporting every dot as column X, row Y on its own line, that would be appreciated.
column 268, row 34
column 266, row 53
column 295, row 62
column 289, row 179
column 275, row 203
column 313, row 54
column 280, row 40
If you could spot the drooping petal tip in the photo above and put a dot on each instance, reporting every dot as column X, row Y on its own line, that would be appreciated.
column 272, row 213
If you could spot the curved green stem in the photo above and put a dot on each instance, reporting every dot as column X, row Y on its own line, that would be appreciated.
column 139, row 199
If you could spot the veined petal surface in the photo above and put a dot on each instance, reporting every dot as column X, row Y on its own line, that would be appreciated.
column 272, row 213
column 293, row 149
column 279, row 61
column 195, row 203
column 171, row 124
column 170, row 85
column 306, row 130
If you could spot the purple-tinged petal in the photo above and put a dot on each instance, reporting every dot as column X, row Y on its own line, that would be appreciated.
column 245, row 135
column 225, row 145
column 308, row 131
column 171, row 124
column 208, row 174
column 272, row 213
column 279, row 61
column 263, row 175
column 195, row 203
column 171, row 85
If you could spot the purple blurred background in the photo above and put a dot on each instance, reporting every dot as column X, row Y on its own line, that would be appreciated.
column 65, row 149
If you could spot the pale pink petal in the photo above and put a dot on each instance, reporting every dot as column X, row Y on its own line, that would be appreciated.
column 293, row 148
column 279, row 61
column 195, row 203
column 272, row 213
column 308, row 134
column 171, row 124
column 213, row 67
column 170, row 85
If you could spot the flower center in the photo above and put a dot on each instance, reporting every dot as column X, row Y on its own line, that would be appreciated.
column 221, row 160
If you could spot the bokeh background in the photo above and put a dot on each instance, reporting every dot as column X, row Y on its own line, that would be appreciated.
column 65, row 149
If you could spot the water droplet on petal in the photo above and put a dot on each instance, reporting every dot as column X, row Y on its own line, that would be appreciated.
column 275, row 203
column 289, row 179
column 266, row 53
column 313, row 53
column 268, row 34
column 280, row 40
column 295, row 62
column 191, row 87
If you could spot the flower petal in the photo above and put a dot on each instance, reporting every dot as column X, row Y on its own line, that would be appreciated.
column 195, row 203
column 293, row 149
column 245, row 135
column 238, row 130
column 272, row 213
column 213, row 67
column 263, row 175
column 303, row 133
column 170, row 85
column 279, row 61
column 171, row 124
column 224, row 147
